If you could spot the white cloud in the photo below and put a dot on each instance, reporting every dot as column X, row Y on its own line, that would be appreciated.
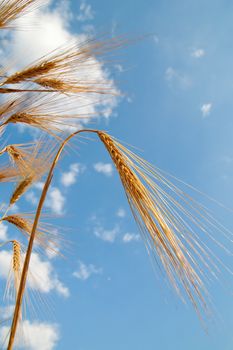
column 31, row 197
column 120, row 213
column 198, row 53
column 42, row 276
column 107, row 235
column 227, row 159
column 206, row 108
column 47, row 30
column 86, row 271
column 173, row 76
column 3, row 232
column 104, row 168
column 70, row 177
column 6, row 312
column 55, row 200
column 130, row 237
column 86, row 12
column 156, row 39
column 34, row 336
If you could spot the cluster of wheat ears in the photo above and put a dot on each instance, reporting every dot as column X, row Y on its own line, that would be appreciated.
column 172, row 224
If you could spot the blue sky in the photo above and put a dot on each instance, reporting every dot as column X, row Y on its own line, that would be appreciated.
column 177, row 111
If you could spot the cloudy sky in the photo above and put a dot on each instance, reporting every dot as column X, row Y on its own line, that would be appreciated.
column 176, row 109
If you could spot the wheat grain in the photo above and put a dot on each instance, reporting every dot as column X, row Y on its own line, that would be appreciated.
column 21, row 189
column 30, row 73
column 16, row 256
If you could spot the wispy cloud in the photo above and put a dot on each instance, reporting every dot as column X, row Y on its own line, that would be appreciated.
column 69, row 178
column 86, row 12
column 84, row 271
column 104, row 168
column 131, row 237
column 121, row 213
column 55, row 200
column 35, row 335
column 3, row 232
column 206, row 109
column 174, row 77
column 198, row 53
column 31, row 197
column 107, row 235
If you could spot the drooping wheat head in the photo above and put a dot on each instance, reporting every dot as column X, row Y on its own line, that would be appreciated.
column 169, row 220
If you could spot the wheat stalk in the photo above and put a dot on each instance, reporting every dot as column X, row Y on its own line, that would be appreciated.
column 37, row 102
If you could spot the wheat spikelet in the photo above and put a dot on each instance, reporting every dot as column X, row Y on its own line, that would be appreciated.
column 72, row 86
column 10, row 10
column 18, row 221
column 21, row 189
column 32, row 162
column 30, row 72
column 52, row 113
column 16, row 264
column 168, row 224
column 68, row 69
column 31, row 157
column 18, row 154
column 46, row 237
column 8, row 174
column 16, row 256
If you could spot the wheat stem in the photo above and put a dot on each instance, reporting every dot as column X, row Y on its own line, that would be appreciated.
column 24, row 274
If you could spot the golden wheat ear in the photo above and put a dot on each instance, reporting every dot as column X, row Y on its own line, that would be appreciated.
column 32, row 162
column 10, row 10
column 14, row 275
column 68, row 69
column 16, row 264
column 46, row 237
column 173, row 226
column 45, row 112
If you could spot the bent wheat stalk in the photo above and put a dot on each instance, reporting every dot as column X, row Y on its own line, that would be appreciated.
column 31, row 241
column 165, row 223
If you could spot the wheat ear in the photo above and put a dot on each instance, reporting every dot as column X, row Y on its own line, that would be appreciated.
column 16, row 263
